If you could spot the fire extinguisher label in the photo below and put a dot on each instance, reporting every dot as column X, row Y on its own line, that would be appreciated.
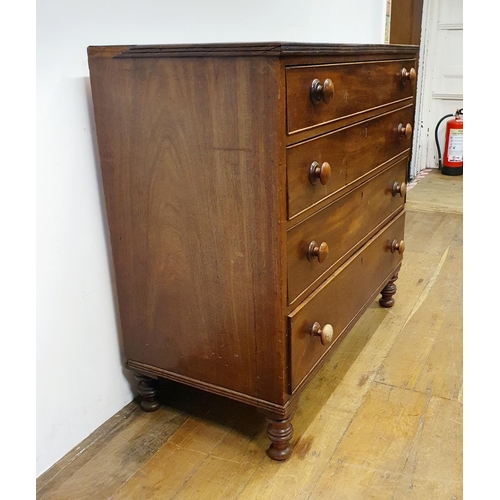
column 456, row 145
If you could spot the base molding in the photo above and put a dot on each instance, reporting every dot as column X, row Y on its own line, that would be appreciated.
column 282, row 411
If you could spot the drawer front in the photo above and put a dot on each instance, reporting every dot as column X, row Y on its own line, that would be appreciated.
column 350, row 88
column 342, row 226
column 350, row 152
column 341, row 299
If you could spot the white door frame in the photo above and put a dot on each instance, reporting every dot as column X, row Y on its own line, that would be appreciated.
column 420, row 136
column 424, row 148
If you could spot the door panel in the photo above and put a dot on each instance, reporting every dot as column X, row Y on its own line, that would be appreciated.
column 406, row 21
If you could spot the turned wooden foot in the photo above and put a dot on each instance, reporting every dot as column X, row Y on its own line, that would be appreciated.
column 387, row 293
column 148, row 391
column 279, row 433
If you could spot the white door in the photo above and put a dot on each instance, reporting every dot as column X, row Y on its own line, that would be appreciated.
column 441, row 78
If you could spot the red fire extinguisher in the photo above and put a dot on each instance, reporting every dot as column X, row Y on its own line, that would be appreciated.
column 453, row 161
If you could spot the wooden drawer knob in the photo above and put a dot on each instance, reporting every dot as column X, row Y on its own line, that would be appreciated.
column 317, row 251
column 399, row 188
column 321, row 92
column 405, row 131
column 325, row 333
column 409, row 76
column 323, row 172
column 398, row 246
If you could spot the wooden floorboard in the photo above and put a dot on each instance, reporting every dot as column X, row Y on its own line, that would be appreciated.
column 381, row 420
column 438, row 193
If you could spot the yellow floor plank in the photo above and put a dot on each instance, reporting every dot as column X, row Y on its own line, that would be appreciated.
column 116, row 460
column 430, row 233
column 435, row 467
column 369, row 460
column 164, row 474
column 437, row 193
column 427, row 355
column 231, row 464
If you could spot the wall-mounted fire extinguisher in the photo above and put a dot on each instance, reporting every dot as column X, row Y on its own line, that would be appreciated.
column 453, row 161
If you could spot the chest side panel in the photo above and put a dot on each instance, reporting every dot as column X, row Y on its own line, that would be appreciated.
column 188, row 148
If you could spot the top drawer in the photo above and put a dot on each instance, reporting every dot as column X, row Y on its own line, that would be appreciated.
column 344, row 89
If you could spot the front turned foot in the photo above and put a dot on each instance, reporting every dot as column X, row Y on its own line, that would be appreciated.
column 387, row 293
column 279, row 433
column 148, row 391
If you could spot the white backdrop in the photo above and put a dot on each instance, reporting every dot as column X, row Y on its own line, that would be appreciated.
column 80, row 377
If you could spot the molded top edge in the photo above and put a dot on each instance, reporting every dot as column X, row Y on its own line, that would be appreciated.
column 247, row 49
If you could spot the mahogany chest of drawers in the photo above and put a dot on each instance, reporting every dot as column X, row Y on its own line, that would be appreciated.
column 255, row 200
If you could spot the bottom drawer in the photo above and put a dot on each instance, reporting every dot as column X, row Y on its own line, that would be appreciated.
column 341, row 298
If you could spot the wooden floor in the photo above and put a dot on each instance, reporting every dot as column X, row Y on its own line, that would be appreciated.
column 381, row 420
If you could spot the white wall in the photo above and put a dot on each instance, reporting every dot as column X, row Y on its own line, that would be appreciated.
column 80, row 379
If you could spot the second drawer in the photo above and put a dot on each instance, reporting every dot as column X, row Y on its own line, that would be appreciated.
column 349, row 153
column 320, row 243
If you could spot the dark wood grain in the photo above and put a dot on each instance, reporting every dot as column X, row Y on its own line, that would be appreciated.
column 210, row 204
column 357, row 87
column 340, row 298
column 352, row 152
column 198, row 259
column 344, row 226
